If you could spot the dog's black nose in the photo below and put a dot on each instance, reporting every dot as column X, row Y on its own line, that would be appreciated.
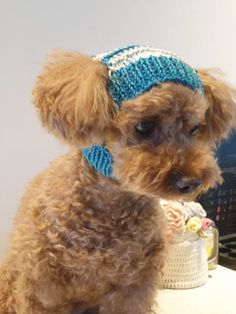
column 187, row 185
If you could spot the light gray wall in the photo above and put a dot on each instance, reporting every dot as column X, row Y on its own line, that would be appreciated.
column 202, row 32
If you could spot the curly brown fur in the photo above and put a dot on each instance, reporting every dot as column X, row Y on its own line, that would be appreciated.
column 73, row 244
column 221, row 114
column 69, row 96
column 82, row 240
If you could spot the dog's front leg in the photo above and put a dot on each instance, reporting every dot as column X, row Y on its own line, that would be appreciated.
column 33, row 298
column 30, row 305
column 134, row 299
column 34, row 308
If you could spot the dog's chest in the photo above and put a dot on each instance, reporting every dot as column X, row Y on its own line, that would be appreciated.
column 119, row 231
column 111, row 235
column 112, row 218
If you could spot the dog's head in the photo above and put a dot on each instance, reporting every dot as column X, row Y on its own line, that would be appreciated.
column 161, row 139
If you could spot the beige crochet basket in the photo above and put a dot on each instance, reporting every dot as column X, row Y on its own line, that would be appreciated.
column 186, row 265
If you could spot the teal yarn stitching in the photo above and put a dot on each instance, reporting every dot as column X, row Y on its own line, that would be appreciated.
column 135, row 69
column 108, row 56
column 99, row 158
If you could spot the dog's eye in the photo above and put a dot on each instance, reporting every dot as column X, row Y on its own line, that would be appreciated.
column 195, row 129
column 145, row 127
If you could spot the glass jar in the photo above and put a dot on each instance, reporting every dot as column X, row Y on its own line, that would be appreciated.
column 212, row 245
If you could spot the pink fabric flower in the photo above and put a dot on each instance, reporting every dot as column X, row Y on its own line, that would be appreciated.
column 206, row 223
column 176, row 215
column 169, row 235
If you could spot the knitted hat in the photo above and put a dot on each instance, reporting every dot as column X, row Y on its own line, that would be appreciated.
column 133, row 70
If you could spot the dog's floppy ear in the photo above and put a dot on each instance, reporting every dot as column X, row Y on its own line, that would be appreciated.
column 71, row 98
column 221, row 114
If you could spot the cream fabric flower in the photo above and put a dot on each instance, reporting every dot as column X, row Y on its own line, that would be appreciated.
column 194, row 209
column 194, row 224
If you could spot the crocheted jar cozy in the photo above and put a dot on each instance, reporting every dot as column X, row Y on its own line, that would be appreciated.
column 133, row 70
column 186, row 265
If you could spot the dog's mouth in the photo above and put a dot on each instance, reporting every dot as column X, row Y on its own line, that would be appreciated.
column 182, row 175
column 185, row 185
column 170, row 187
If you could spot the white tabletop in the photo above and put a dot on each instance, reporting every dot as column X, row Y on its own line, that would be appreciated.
column 217, row 296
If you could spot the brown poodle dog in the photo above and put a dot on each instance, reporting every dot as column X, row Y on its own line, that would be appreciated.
column 89, row 241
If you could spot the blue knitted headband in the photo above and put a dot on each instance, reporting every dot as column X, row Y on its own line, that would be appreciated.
column 133, row 70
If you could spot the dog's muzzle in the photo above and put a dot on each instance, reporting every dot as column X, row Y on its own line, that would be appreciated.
column 186, row 185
